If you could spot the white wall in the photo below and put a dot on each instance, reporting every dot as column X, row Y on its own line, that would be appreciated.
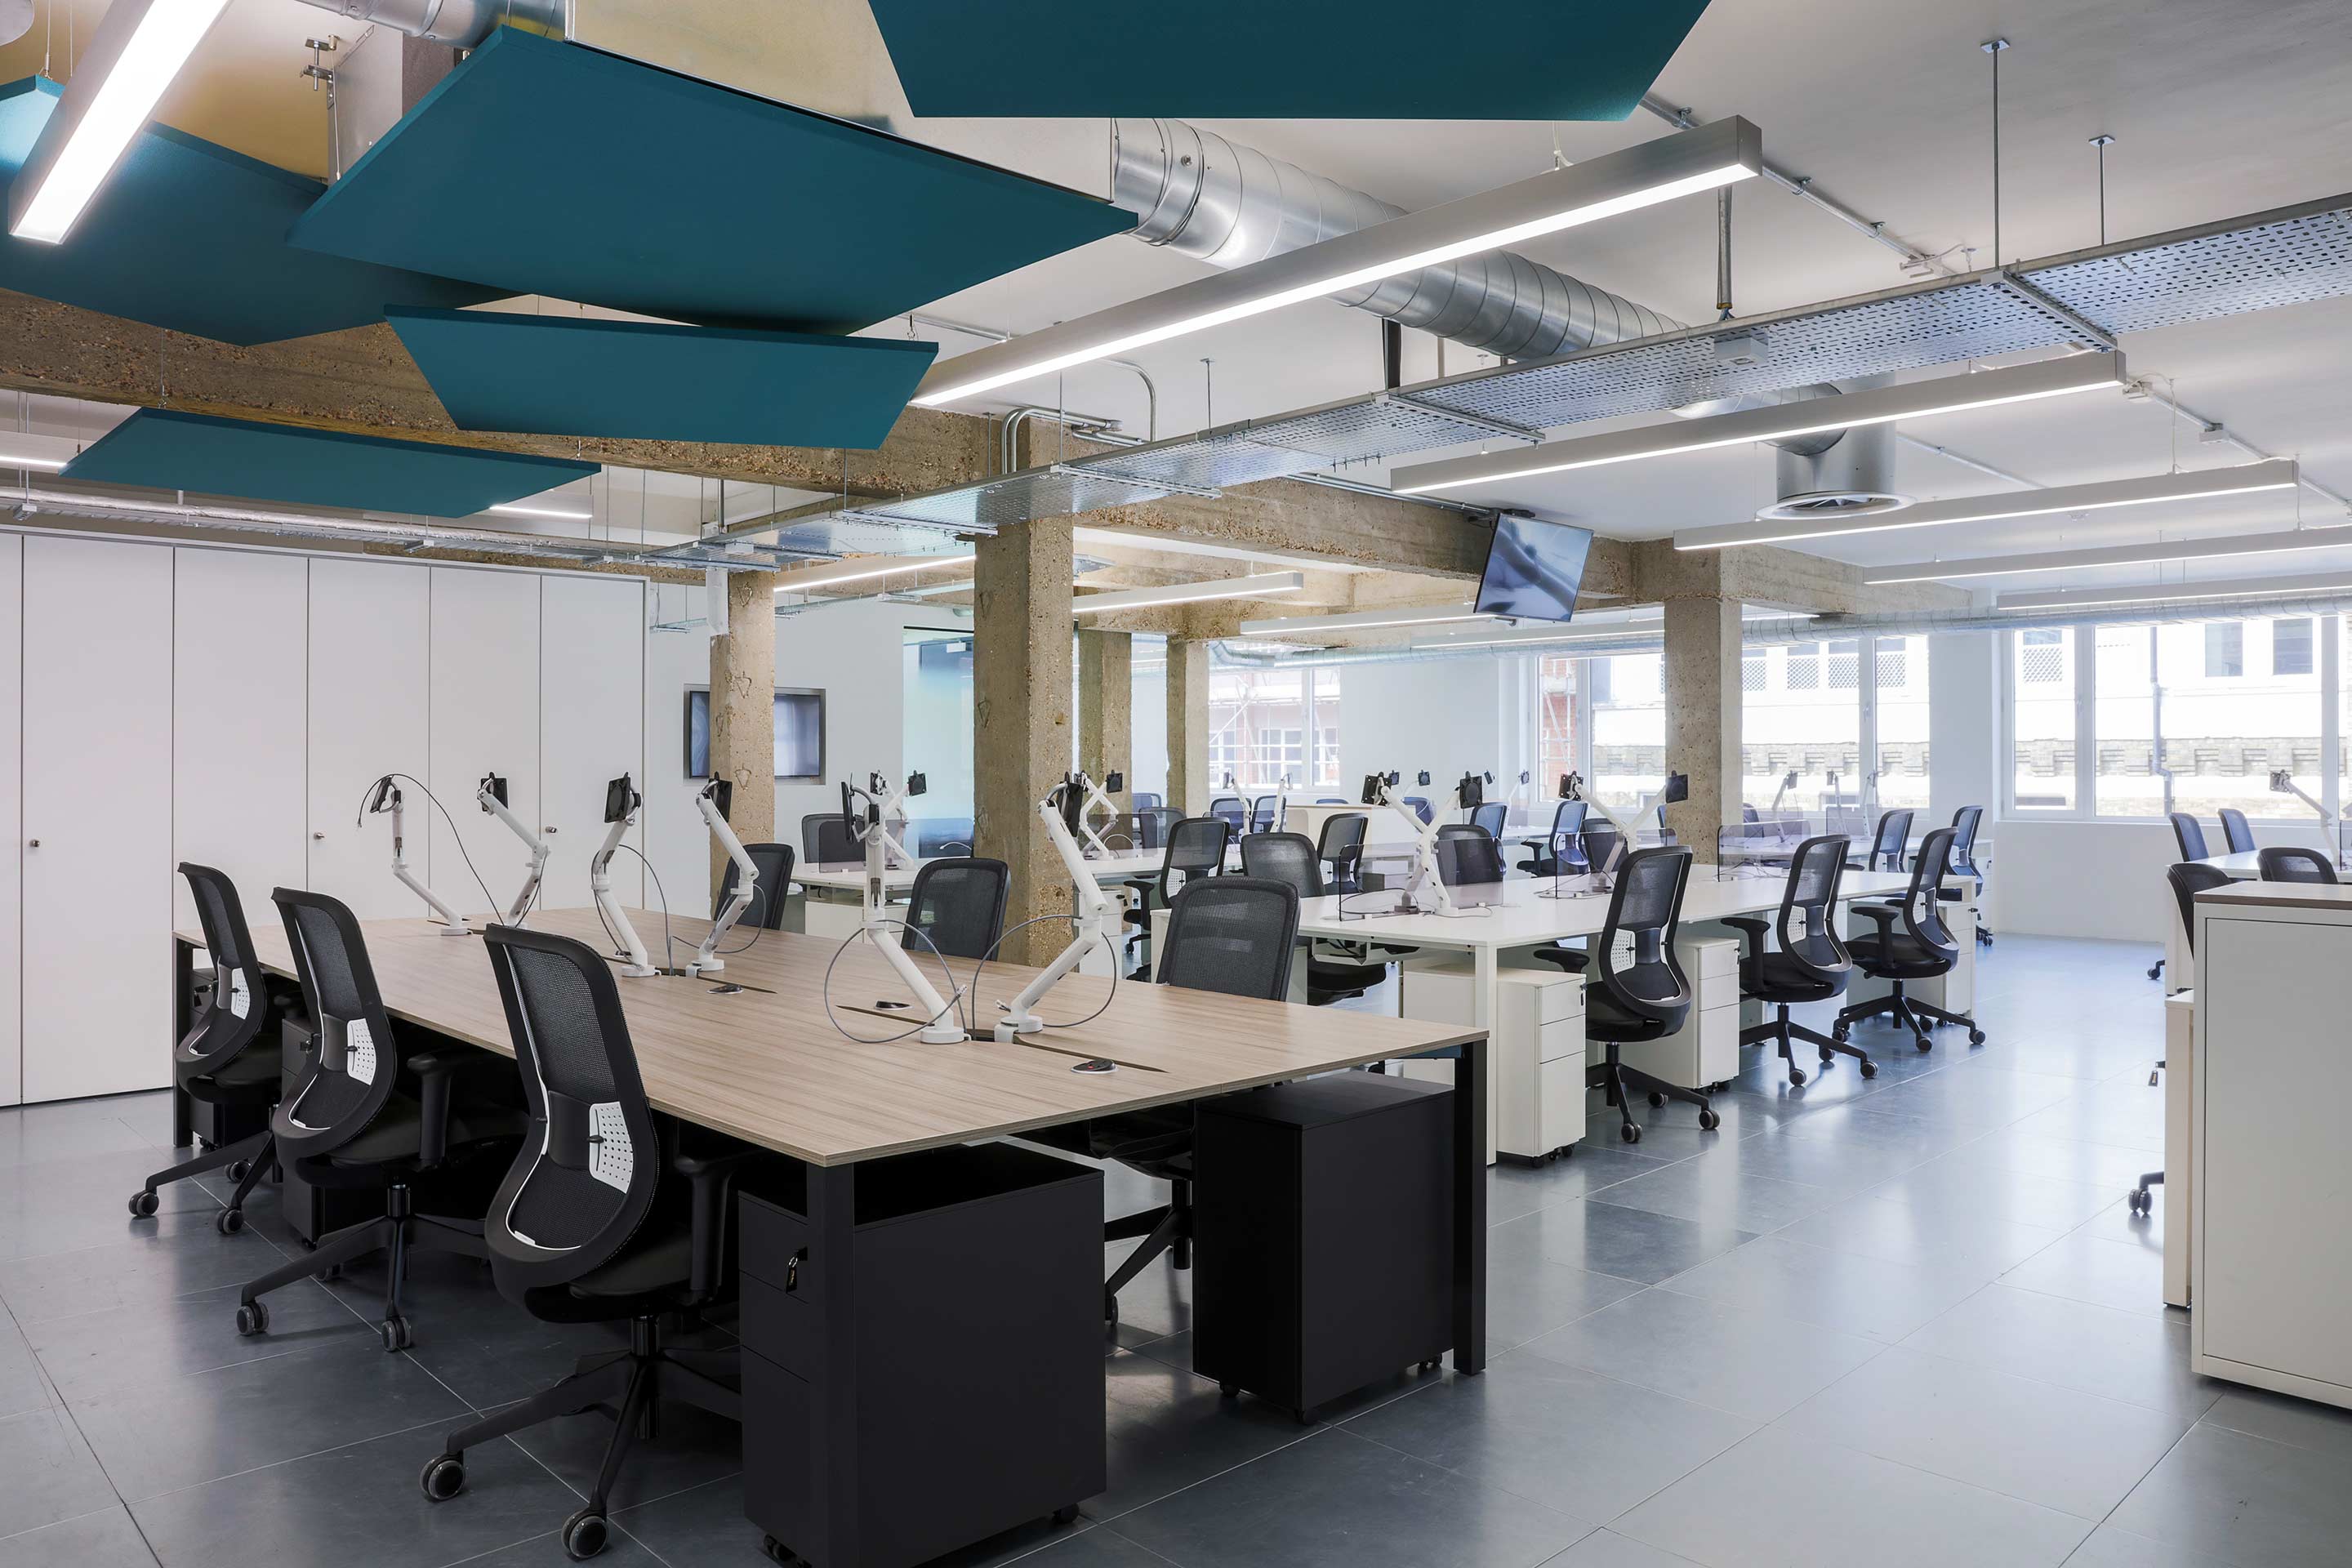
column 1443, row 715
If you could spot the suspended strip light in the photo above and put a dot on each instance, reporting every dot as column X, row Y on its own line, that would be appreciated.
column 1363, row 620
column 2116, row 555
column 1257, row 587
column 864, row 570
column 2169, row 593
column 1714, row 155
column 137, row 50
column 558, row 512
column 2243, row 478
column 1880, row 406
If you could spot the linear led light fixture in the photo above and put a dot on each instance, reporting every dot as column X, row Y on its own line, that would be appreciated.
column 1364, row 620
column 543, row 511
column 2167, row 592
column 2243, row 478
column 863, row 571
column 138, row 48
column 1717, row 154
column 9, row 459
column 1627, row 631
column 2113, row 555
column 1880, row 406
column 1257, row 587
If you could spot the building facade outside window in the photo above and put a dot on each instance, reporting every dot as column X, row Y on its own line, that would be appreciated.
column 1259, row 724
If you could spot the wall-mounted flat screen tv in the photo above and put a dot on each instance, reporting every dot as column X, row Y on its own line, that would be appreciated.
column 800, row 734
column 1534, row 569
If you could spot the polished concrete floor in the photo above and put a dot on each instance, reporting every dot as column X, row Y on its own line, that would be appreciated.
column 1907, row 1320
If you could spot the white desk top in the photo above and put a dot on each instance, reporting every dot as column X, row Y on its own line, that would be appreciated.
column 901, row 879
column 2241, row 867
column 1520, row 916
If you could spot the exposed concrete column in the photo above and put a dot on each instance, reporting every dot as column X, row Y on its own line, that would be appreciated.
column 1107, row 707
column 1021, row 717
column 1188, row 726
column 1701, row 678
column 743, row 710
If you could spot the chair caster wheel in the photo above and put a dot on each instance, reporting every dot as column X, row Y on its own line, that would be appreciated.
column 585, row 1534
column 329, row 1274
column 1066, row 1514
column 1827, row 1055
column 1975, row 1036
column 1230, row 1390
column 1657, row 1099
column 1926, row 1044
column 237, row 1172
column 395, row 1333
column 143, row 1205
column 1797, row 1076
column 776, row 1551
column 1842, row 1033
column 228, row 1221
column 1425, row 1368
column 2141, row 1201
column 1631, row 1133
column 444, row 1477
column 1708, row 1121
column 1869, row 1067
column 252, row 1318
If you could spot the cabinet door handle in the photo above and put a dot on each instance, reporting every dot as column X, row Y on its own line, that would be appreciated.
column 33, row 843
column 317, row 836
column 792, row 1271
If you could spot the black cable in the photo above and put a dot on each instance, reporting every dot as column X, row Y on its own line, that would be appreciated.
column 955, row 993
column 973, row 989
column 662, row 893
column 488, row 896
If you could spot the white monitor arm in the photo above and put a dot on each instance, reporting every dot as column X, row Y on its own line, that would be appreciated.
column 384, row 796
column 890, row 800
column 1068, row 796
column 490, row 794
column 2330, row 824
column 876, row 925
column 747, row 881
column 1095, row 848
column 1425, row 878
column 621, row 804
column 1677, row 788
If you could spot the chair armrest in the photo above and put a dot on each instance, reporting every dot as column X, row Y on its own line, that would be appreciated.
column 712, row 1176
column 1754, row 927
column 1574, row 960
column 1883, row 914
column 436, row 1075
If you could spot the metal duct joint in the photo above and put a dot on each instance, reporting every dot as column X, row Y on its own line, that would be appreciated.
column 1199, row 194
column 460, row 24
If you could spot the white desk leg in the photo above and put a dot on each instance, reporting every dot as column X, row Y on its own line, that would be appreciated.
column 1485, row 963
column 2179, row 967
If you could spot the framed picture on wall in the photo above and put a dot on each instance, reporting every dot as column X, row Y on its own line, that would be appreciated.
column 800, row 734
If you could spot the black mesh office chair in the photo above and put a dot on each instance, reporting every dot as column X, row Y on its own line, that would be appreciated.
column 1291, row 857
column 2186, row 881
column 1491, row 816
column 1467, row 856
column 1923, row 949
column 1603, row 845
column 1195, row 849
column 1341, row 849
column 769, row 894
column 1229, row 810
column 826, row 840
column 363, row 1118
column 1965, row 823
column 2236, row 831
column 1808, row 964
column 1888, row 842
column 2282, row 864
column 603, row 1218
column 1145, row 801
column 1644, row 994
column 1130, row 832
column 959, row 905
column 2190, row 835
column 231, row 1054
column 1420, row 806
column 1561, row 854
column 1265, row 813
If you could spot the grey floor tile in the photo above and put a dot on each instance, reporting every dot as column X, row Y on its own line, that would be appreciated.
column 104, row 1540
column 693, row 1448
column 1857, row 1295
column 2085, row 1266
column 1839, row 1166
column 1722, row 1188
column 357, row 1504
column 1176, row 1351
column 621, row 1550
column 52, row 1474
column 1873, row 1124
column 22, row 1385
column 34, row 1134
column 486, row 1348
column 1944, row 1185
column 1527, row 1294
column 1983, row 1100
column 1338, row 1501
column 1775, row 1500
column 134, row 1346
column 1155, row 1303
column 1169, row 1429
column 1588, row 1167
column 1985, row 1246
column 1102, row 1547
column 1632, row 1244
column 2065, row 1159
column 2107, row 1547
column 2301, row 1422
column 178, row 1431
column 71, row 1205
column 1746, row 1362
column 2245, row 1501
column 2061, row 1448
column 1571, row 1439
column 706, row 1528
column 131, row 1269
column 2122, row 1356
column 1607, row 1548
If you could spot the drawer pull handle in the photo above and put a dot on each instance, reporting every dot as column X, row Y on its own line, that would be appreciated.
column 792, row 1271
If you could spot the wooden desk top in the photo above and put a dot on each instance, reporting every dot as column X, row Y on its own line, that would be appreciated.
column 2335, row 898
column 1520, row 916
column 764, row 1065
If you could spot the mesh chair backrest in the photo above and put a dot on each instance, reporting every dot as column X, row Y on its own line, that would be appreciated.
column 1284, row 858
column 1567, row 843
column 2236, row 831
column 2284, row 865
column 1232, row 934
column 1602, row 843
column 1490, row 816
column 1644, row 913
column 1922, row 908
column 1343, row 840
column 1264, row 813
column 1469, row 857
column 2188, row 835
column 1965, row 823
column 233, row 1018
column 584, row 1178
column 1130, row 832
column 1807, row 932
column 1888, row 844
column 1196, row 849
column 1421, row 808
column 1146, row 801
column 2188, row 880
column 959, row 905
column 1229, row 810
column 352, row 1070
column 774, row 864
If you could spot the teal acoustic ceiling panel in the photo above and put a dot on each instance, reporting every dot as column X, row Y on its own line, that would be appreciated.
column 566, row 375
column 191, row 237
column 1287, row 59
column 164, row 449
column 543, row 167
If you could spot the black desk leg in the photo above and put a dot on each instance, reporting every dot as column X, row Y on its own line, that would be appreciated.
column 184, row 1018
column 833, row 1216
column 1470, row 1208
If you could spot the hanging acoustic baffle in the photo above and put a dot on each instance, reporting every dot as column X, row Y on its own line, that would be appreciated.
column 1292, row 59
column 540, row 167
column 189, row 236
column 165, row 449
column 569, row 375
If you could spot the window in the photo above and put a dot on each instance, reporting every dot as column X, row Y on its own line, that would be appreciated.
column 1259, row 721
column 1558, row 722
column 2290, row 648
column 1751, row 670
column 1629, row 729
column 936, row 727
column 2225, row 650
column 1147, row 771
column 1804, row 666
column 2041, row 659
column 2041, row 721
column 1800, row 737
column 1901, row 667
column 800, row 734
column 1845, row 664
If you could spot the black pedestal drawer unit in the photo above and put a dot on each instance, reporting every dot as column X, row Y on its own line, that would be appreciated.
column 974, row 1357
column 1324, row 1236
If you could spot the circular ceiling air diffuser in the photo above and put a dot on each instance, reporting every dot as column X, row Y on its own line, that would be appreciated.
column 1831, row 504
